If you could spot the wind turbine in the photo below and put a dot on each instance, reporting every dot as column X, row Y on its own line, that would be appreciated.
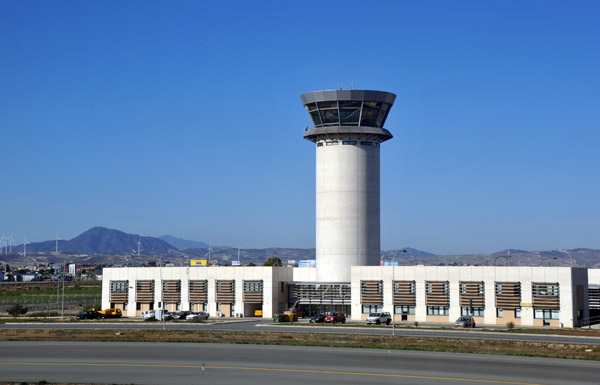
column 3, row 241
column 10, row 241
column 57, row 238
column 25, row 248
column 139, row 244
column 210, row 250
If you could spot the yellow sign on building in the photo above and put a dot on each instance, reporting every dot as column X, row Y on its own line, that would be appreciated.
column 198, row 262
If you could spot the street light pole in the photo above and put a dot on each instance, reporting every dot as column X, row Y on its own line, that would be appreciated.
column 62, row 314
column 393, row 301
column 502, row 256
column 566, row 252
column 162, row 302
column 393, row 298
column 549, row 258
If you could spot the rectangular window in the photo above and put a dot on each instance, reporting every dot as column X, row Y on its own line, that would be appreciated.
column 404, row 309
column 437, row 288
column 253, row 286
column 320, row 144
column 518, row 313
column 499, row 313
column 437, row 310
column 545, row 289
column 477, row 311
column 119, row 286
column 349, row 142
column 366, row 143
column 334, row 143
column 366, row 309
column 377, row 145
column 546, row 314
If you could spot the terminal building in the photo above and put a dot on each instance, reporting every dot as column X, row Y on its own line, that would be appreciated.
column 348, row 131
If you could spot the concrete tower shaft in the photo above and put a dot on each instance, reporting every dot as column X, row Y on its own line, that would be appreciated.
column 348, row 130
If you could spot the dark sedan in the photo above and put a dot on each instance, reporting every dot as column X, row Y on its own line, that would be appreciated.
column 90, row 314
column 317, row 318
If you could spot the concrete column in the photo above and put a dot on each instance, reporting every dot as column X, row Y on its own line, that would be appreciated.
column 212, row 296
column 454, row 291
column 489, row 314
column 421, row 308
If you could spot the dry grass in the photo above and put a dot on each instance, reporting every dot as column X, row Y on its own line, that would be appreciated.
column 533, row 349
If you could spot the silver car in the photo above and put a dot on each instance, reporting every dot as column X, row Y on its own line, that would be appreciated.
column 465, row 321
column 379, row 318
column 200, row 315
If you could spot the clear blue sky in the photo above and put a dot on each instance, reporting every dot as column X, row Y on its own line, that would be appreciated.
column 184, row 118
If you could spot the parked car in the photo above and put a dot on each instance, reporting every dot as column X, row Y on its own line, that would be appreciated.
column 379, row 318
column 317, row 318
column 89, row 314
column 335, row 318
column 110, row 313
column 149, row 314
column 465, row 322
column 201, row 315
column 180, row 315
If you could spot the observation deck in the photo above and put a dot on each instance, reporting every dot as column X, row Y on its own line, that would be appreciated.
column 348, row 112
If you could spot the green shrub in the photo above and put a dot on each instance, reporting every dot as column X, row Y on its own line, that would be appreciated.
column 17, row 310
column 416, row 324
column 510, row 325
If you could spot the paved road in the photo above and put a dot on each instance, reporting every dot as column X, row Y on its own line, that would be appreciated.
column 254, row 325
column 182, row 363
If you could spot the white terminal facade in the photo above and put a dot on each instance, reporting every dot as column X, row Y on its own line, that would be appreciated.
column 347, row 133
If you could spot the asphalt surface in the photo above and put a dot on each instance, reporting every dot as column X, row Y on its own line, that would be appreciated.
column 182, row 363
column 253, row 325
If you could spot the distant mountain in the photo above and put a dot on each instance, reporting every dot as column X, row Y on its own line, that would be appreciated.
column 184, row 243
column 100, row 240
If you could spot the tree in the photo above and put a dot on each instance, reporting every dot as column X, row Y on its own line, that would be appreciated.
column 273, row 262
column 16, row 310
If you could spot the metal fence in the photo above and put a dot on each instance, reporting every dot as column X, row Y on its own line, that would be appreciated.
column 51, row 305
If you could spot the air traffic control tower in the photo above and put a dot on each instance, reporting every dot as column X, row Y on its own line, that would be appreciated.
column 348, row 131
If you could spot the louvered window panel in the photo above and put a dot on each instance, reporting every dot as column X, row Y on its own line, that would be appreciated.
column 198, row 291
column 225, row 291
column 144, row 291
column 472, row 293
column 253, row 291
column 545, row 295
column 594, row 296
column 320, row 293
column 405, row 293
column 171, row 291
column 437, row 293
column 508, row 295
column 119, row 291
column 371, row 292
